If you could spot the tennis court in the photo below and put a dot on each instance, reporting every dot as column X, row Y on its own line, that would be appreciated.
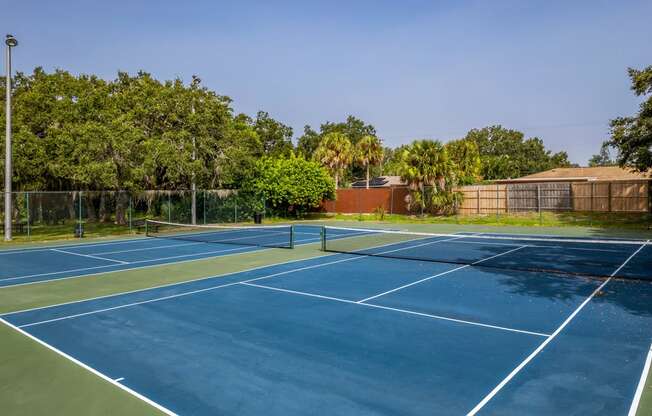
column 381, row 323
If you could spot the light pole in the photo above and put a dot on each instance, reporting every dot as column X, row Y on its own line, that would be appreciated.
column 11, row 42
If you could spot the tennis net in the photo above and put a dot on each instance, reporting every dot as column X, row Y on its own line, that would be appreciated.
column 573, row 256
column 278, row 236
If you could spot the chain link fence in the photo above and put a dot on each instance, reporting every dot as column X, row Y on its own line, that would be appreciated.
column 49, row 215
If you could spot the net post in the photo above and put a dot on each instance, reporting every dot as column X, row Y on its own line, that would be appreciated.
column 147, row 227
column 322, row 236
column 291, row 236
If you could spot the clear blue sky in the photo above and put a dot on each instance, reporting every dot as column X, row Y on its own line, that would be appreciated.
column 413, row 69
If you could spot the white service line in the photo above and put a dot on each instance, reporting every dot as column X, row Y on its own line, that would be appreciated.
column 540, row 348
column 90, row 256
column 182, row 294
column 437, row 275
column 641, row 384
column 409, row 312
column 91, row 369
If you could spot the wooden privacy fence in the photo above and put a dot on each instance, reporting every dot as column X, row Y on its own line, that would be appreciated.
column 596, row 196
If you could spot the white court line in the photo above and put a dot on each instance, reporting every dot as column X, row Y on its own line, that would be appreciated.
column 305, row 241
column 437, row 275
column 147, row 248
column 119, row 379
column 203, row 290
column 182, row 294
column 641, row 384
column 310, row 241
column 73, row 245
column 181, row 283
column 114, row 265
column 371, row 305
column 91, row 369
column 90, row 256
column 250, row 248
column 540, row 348
column 170, row 284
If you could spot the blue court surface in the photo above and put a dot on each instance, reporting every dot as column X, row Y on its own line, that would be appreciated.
column 348, row 334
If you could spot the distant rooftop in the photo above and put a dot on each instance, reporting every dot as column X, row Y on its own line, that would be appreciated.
column 379, row 182
column 601, row 173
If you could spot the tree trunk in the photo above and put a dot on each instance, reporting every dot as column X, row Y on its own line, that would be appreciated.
column 337, row 181
column 367, row 176
column 120, row 206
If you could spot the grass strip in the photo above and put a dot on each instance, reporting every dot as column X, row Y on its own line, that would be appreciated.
column 37, row 381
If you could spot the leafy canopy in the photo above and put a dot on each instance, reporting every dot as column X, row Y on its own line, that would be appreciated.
column 632, row 136
column 335, row 152
column 290, row 184
column 506, row 153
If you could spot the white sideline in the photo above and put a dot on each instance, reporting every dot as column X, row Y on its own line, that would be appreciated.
column 91, row 369
column 406, row 311
column 90, row 256
column 540, row 348
column 437, row 275
column 641, row 384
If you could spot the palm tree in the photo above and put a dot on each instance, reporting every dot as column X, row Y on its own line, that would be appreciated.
column 335, row 153
column 426, row 163
column 369, row 151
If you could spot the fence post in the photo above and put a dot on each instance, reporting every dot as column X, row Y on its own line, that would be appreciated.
column 235, row 209
column 477, row 204
column 539, row 203
column 507, row 198
column 169, row 206
column 391, row 201
column 131, row 215
column 28, row 215
column 609, row 196
column 204, row 204
column 81, row 200
column 497, row 202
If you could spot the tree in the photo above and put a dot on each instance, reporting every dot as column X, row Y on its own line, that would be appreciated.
column 276, row 137
column 632, row 136
column 466, row 157
column 290, row 184
column 369, row 151
column 603, row 158
column 425, row 163
column 335, row 153
column 506, row 154
column 308, row 142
